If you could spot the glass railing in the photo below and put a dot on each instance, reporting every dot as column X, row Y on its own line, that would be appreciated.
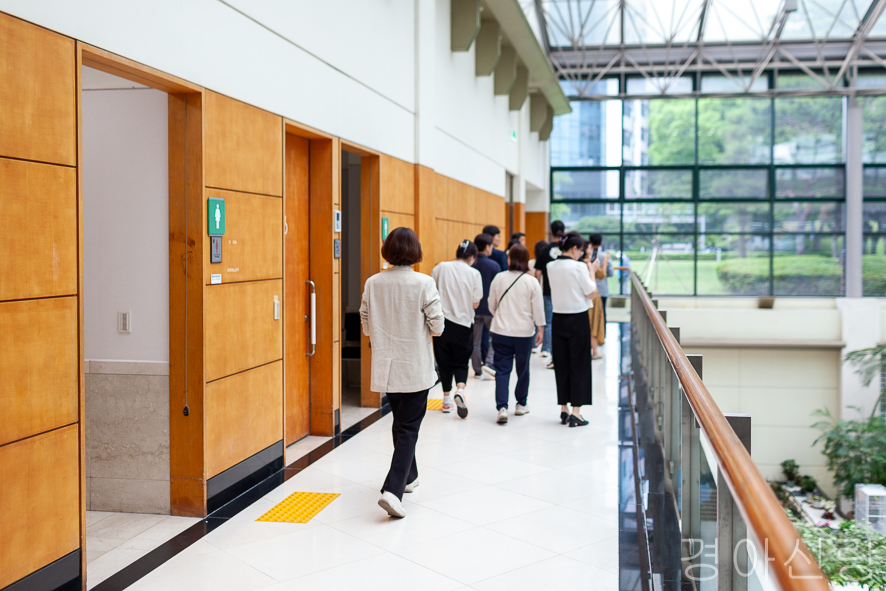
column 735, row 536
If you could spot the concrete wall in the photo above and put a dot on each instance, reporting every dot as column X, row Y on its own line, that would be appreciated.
column 780, row 366
column 376, row 72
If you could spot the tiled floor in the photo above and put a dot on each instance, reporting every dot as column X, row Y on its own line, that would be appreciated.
column 530, row 505
column 115, row 540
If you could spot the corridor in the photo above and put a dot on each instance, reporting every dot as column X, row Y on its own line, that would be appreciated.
column 530, row 505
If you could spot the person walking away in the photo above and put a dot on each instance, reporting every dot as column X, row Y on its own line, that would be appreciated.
column 550, row 253
column 400, row 313
column 461, row 289
column 596, row 317
column 482, row 316
column 606, row 269
column 571, row 293
column 497, row 255
column 518, row 320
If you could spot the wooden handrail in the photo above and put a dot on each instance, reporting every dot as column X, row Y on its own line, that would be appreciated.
column 760, row 509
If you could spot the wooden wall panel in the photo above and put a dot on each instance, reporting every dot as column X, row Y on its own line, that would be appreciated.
column 241, row 332
column 370, row 244
column 39, row 388
column 520, row 220
column 397, row 182
column 252, row 247
column 243, row 145
column 296, row 332
column 38, row 99
column 39, row 242
column 536, row 228
column 40, row 500
column 244, row 415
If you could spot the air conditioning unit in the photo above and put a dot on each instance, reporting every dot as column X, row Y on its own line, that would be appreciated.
column 870, row 506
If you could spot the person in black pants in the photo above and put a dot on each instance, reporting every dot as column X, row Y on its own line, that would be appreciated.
column 571, row 294
column 408, row 409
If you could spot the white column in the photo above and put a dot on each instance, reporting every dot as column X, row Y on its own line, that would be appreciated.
column 860, row 326
column 853, row 138
column 425, row 81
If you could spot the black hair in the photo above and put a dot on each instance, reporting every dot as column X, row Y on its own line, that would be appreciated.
column 596, row 239
column 491, row 230
column 570, row 241
column 558, row 229
column 482, row 241
column 517, row 236
column 539, row 246
column 466, row 249
column 513, row 242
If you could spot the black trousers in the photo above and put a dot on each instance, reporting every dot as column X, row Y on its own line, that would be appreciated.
column 408, row 409
column 453, row 351
column 604, row 310
column 571, row 352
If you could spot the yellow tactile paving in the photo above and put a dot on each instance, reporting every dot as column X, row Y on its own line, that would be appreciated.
column 299, row 507
column 435, row 404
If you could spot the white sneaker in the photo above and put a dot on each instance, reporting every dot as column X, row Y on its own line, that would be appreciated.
column 460, row 407
column 521, row 410
column 544, row 355
column 390, row 503
column 502, row 416
column 487, row 377
column 447, row 405
column 411, row 486
column 489, row 370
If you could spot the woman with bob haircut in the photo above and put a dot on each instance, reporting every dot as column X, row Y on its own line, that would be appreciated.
column 517, row 325
column 572, row 294
column 461, row 289
column 400, row 313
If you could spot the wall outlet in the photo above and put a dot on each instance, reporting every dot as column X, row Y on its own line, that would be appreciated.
column 124, row 322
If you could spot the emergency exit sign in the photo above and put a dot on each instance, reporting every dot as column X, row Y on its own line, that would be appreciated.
column 215, row 216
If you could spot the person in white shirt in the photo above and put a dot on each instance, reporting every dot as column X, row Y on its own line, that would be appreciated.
column 400, row 312
column 518, row 323
column 461, row 289
column 572, row 292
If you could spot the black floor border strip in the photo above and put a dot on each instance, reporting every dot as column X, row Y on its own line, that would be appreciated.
column 166, row 551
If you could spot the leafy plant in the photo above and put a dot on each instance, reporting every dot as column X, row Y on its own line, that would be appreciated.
column 850, row 554
column 868, row 364
column 855, row 450
column 791, row 470
column 808, row 484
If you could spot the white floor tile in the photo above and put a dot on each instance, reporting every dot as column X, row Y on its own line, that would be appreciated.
column 602, row 554
column 308, row 551
column 420, row 525
column 490, row 470
column 555, row 573
column 556, row 528
column 557, row 486
column 110, row 563
column 485, row 505
column 236, row 533
column 93, row 517
column 123, row 526
column 474, row 555
column 380, row 573
column 213, row 571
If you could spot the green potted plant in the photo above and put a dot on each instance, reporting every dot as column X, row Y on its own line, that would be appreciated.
column 855, row 450
column 808, row 484
column 791, row 472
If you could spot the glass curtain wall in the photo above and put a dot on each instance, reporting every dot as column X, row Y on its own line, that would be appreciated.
column 715, row 196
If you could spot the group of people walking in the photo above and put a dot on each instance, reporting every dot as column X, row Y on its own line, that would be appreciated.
column 413, row 320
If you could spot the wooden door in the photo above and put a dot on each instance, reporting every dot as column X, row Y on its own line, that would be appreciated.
column 296, row 329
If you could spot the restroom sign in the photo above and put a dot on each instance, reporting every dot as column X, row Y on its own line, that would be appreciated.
column 215, row 216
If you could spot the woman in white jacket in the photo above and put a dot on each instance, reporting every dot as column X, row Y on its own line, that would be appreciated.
column 400, row 313
column 518, row 322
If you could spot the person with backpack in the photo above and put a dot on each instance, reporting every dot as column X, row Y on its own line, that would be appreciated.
column 518, row 322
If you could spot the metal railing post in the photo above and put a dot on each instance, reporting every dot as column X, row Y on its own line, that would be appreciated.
column 732, row 552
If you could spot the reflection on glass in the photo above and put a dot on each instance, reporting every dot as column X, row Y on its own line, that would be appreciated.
column 588, row 136
column 808, row 264
column 874, row 181
column 658, row 184
column 655, row 218
column 873, row 121
column 706, row 568
column 734, row 131
column 809, row 182
column 737, row 183
column 808, row 130
column 659, row 132
column 808, row 216
column 733, row 264
column 665, row 262
column 643, row 85
column 603, row 218
column 585, row 184
column 711, row 84
column 733, row 217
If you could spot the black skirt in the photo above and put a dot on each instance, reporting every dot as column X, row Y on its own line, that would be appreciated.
column 571, row 352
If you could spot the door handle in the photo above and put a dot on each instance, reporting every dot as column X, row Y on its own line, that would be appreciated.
column 313, row 318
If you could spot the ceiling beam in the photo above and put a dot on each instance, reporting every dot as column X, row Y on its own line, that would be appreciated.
column 858, row 39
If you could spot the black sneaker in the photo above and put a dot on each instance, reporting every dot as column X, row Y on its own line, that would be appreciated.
column 460, row 407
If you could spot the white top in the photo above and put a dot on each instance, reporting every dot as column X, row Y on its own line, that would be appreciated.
column 522, row 308
column 570, row 285
column 460, row 286
column 400, row 310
